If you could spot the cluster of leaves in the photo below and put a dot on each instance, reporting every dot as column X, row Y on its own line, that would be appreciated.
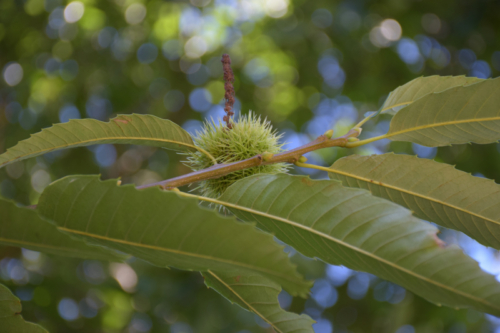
column 336, row 220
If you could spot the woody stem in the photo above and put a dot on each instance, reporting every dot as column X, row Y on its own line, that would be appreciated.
column 219, row 170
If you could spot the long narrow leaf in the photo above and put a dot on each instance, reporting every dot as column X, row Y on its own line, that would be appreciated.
column 458, row 115
column 11, row 320
column 259, row 295
column 434, row 191
column 351, row 227
column 127, row 129
column 165, row 229
column 23, row 227
column 421, row 86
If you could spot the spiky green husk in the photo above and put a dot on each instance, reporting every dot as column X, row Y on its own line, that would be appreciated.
column 249, row 136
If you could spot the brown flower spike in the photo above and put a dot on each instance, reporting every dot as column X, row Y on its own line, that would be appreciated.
column 229, row 89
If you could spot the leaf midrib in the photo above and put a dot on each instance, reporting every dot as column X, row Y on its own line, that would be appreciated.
column 369, row 254
column 371, row 181
column 189, row 254
column 454, row 122
column 396, row 105
column 13, row 241
column 244, row 301
column 97, row 140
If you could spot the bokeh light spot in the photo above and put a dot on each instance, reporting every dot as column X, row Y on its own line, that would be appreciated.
column 408, row 51
column 323, row 326
column 192, row 125
column 322, row 18
column 69, row 70
column 200, row 100
column 431, row 23
column 391, row 30
column 105, row 155
column 74, row 12
column 466, row 57
column 195, row 47
column 172, row 49
column 140, row 323
column 27, row 119
column 147, row 53
column 67, row 112
column 68, row 309
column 124, row 275
column 13, row 73
column 324, row 294
column 135, row 13
column 276, row 8
column 106, row 36
column 407, row 329
column 40, row 179
column 480, row 69
column 423, row 151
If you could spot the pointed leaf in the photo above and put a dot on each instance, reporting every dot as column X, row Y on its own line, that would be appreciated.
column 421, row 86
column 23, row 227
column 458, row 115
column 347, row 226
column 434, row 191
column 126, row 129
column 11, row 320
column 259, row 295
column 165, row 229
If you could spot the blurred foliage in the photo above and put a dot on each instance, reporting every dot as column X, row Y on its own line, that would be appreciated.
column 306, row 66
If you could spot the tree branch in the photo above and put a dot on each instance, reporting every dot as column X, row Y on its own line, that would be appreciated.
column 291, row 156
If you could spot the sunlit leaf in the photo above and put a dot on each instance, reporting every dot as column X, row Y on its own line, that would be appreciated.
column 433, row 191
column 259, row 295
column 126, row 129
column 350, row 227
column 165, row 229
column 421, row 86
column 23, row 227
column 11, row 320
column 458, row 115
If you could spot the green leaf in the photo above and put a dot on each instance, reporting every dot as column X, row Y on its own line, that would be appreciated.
column 126, row 129
column 11, row 320
column 165, row 229
column 434, row 191
column 259, row 295
column 23, row 227
column 347, row 226
column 458, row 115
column 421, row 86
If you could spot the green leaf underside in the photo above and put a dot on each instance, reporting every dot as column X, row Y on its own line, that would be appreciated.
column 165, row 229
column 259, row 295
column 125, row 129
column 419, row 87
column 11, row 320
column 434, row 191
column 458, row 115
column 23, row 227
column 346, row 226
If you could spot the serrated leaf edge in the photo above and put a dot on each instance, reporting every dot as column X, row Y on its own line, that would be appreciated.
column 354, row 248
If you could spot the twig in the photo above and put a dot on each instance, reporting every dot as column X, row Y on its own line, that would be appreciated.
column 290, row 156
